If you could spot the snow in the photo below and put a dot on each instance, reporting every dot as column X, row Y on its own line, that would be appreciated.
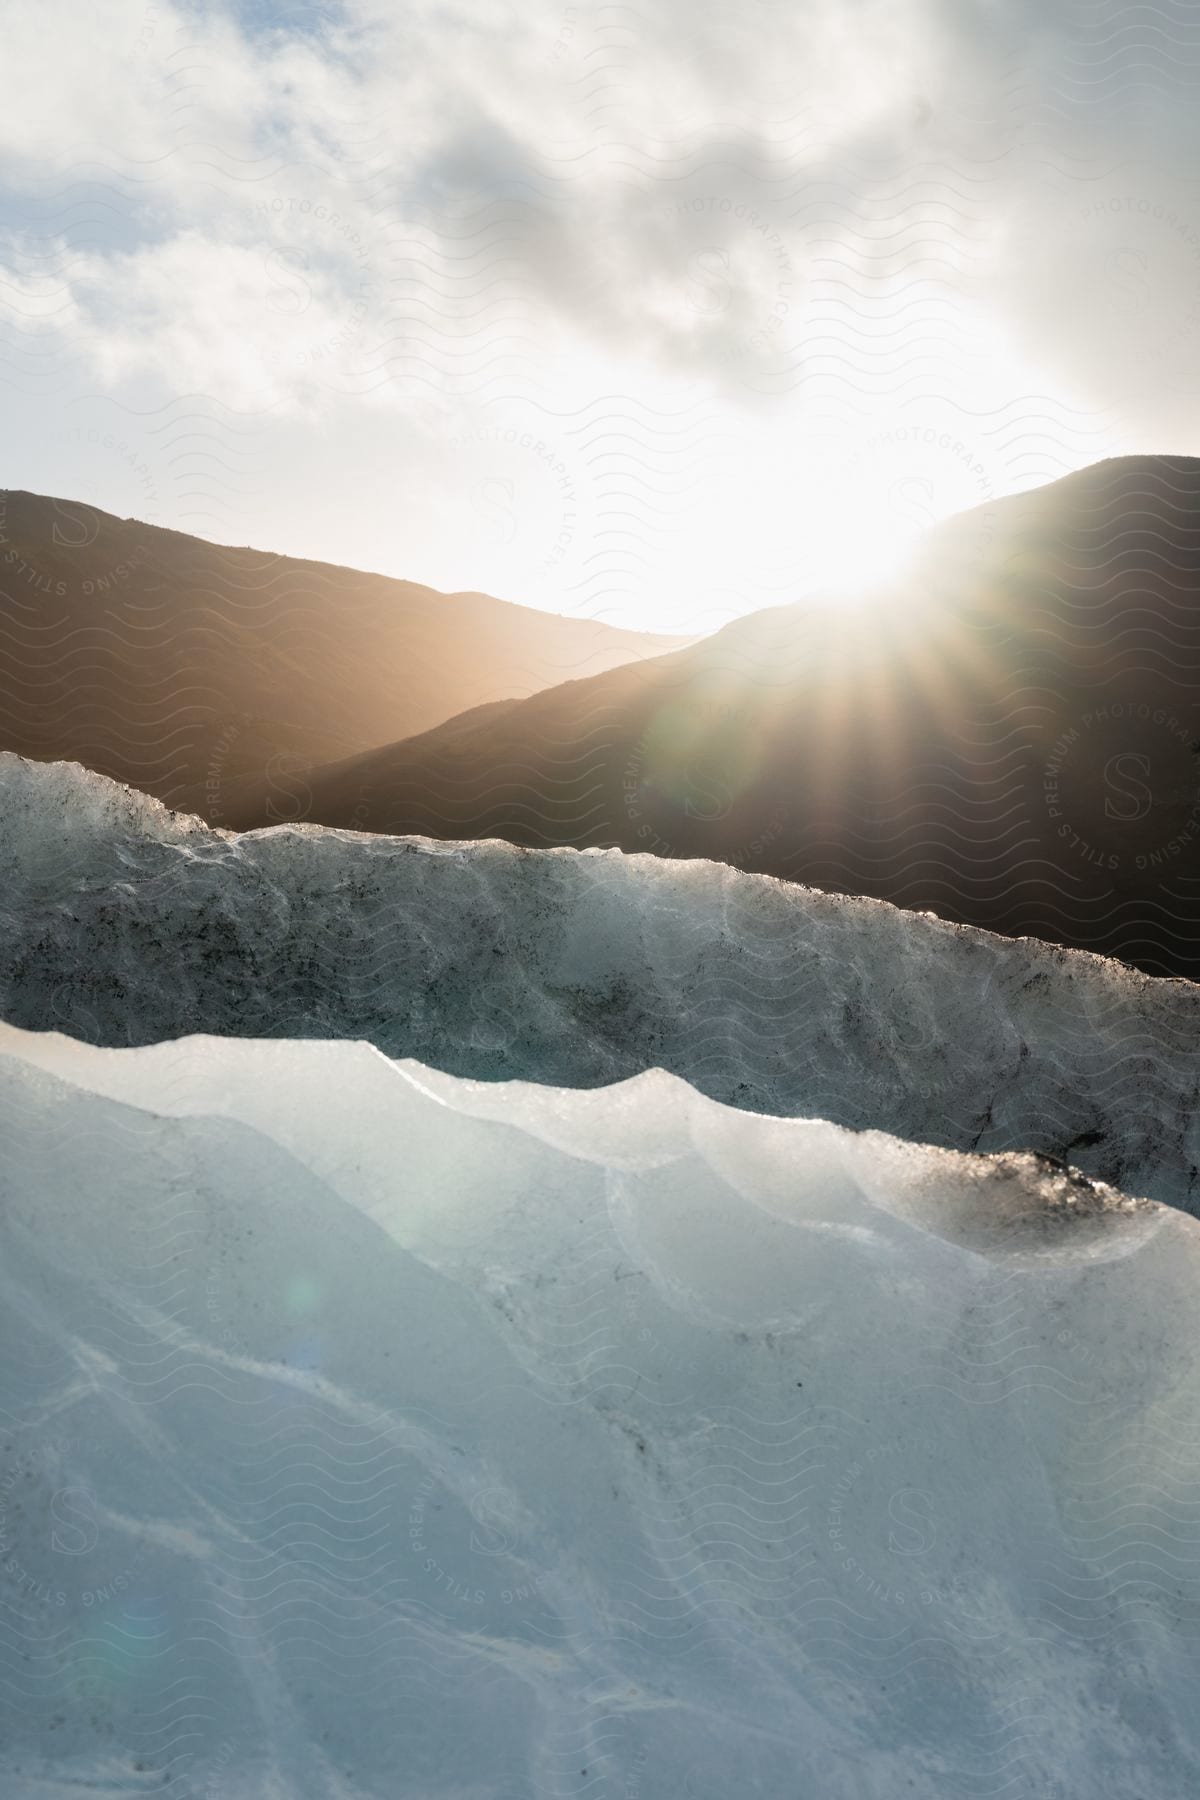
column 370, row 1431
column 124, row 924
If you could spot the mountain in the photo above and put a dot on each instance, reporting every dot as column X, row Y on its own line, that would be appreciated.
column 179, row 665
column 1009, row 736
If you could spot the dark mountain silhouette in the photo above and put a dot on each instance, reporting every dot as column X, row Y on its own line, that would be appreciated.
column 1010, row 737
column 178, row 665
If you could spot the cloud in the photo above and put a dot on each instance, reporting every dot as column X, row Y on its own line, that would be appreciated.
column 798, row 225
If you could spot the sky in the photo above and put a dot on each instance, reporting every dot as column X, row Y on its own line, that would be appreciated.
column 653, row 313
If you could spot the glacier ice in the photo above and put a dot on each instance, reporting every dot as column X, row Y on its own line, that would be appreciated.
column 371, row 1431
column 125, row 924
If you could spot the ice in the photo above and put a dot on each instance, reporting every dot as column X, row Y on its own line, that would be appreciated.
column 368, row 1431
column 125, row 924
column 376, row 1429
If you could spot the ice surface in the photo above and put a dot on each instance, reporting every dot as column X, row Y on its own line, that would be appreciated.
column 125, row 924
column 372, row 1432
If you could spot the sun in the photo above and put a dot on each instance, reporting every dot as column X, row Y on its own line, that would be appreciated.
column 866, row 520
column 853, row 555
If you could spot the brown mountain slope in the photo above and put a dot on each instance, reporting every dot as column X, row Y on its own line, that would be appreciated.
column 1010, row 737
column 178, row 665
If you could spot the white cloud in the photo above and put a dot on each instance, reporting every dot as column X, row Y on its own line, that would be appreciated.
column 782, row 227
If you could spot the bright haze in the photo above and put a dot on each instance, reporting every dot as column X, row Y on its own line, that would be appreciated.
column 652, row 315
